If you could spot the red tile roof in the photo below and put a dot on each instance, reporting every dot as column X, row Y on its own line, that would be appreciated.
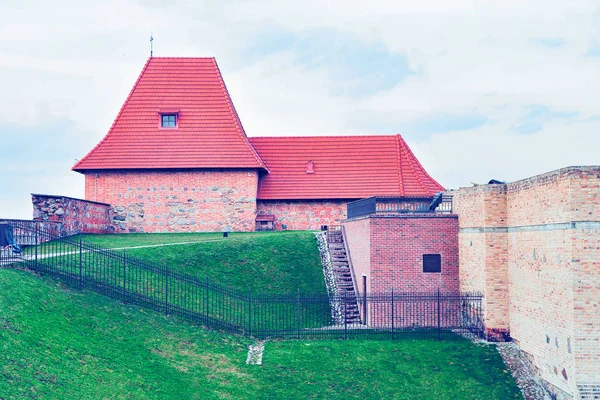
column 345, row 167
column 209, row 132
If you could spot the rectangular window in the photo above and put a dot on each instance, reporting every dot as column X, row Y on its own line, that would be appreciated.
column 168, row 120
column 432, row 263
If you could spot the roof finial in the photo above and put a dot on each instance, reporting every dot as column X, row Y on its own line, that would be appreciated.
column 151, row 40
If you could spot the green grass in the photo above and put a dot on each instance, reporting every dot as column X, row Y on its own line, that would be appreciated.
column 64, row 344
column 263, row 262
column 259, row 263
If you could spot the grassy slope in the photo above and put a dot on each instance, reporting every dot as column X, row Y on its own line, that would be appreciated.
column 57, row 344
column 278, row 262
column 61, row 344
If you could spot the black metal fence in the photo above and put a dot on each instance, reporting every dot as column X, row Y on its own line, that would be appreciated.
column 397, row 205
column 202, row 301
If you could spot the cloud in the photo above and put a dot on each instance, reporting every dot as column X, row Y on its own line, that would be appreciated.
column 550, row 42
column 444, row 123
column 355, row 68
column 474, row 99
column 537, row 115
column 594, row 51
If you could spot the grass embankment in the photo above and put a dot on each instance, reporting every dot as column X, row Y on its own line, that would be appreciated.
column 263, row 262
column 250, row 264
column 63, row 344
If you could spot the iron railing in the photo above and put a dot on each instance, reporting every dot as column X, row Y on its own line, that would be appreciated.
column 200, row 300
column 397, row 205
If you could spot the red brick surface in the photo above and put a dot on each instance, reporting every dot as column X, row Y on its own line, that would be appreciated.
column 303, row 214
column 177, row 201
column 391, row 252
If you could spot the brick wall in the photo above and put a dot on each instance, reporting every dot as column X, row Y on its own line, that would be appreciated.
column 303, row 214
column 389, row 250
column 551, row 254
column 358, row 242
column 75, row 215
column 483, row 256
column 177, row 201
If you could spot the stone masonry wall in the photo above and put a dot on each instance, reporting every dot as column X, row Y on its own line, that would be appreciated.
column 552, row 295
column 177, row 201
column 75, row 215
column 303, row 214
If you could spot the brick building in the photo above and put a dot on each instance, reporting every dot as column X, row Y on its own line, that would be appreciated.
column 177, row 159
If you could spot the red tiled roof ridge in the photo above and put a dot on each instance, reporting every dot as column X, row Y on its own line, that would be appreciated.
column 180, row 58
column 410, row 161
column 117, row 117
column 238, row 122
column 399, row 160
column 323, row 136
column 417, row 164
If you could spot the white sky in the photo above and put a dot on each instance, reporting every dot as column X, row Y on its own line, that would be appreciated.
column 479, row 90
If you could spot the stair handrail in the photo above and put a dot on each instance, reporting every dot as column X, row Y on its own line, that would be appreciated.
column 349, row 258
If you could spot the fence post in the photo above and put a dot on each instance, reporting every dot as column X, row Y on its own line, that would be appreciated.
column 392, row 314
column 80, row 262
column 166, row 289
column 36, row 246
column 124, row 274
column 345, row 319
column 249, row 312
column 438, row 315
column 365, row 304
column 298, row 312
column 207, row 300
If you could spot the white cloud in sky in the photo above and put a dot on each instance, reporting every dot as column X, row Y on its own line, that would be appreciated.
column 480, row 89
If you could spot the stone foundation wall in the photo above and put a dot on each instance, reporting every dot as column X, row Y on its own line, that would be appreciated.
column 544, row 232
column 304, row 214
column 177, row 201
column 75, row 215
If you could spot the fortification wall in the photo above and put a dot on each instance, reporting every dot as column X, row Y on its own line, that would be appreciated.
column 532, row 247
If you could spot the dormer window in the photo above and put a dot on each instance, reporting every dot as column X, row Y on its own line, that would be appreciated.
column 310, row 167
column 168, row 120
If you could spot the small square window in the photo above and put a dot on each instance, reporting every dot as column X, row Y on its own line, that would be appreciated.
column 432, row 263
column 168, row 120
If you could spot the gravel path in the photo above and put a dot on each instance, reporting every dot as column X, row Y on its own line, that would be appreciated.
column 521, row 370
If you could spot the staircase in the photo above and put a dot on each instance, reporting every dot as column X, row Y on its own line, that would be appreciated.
column 343, row 276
